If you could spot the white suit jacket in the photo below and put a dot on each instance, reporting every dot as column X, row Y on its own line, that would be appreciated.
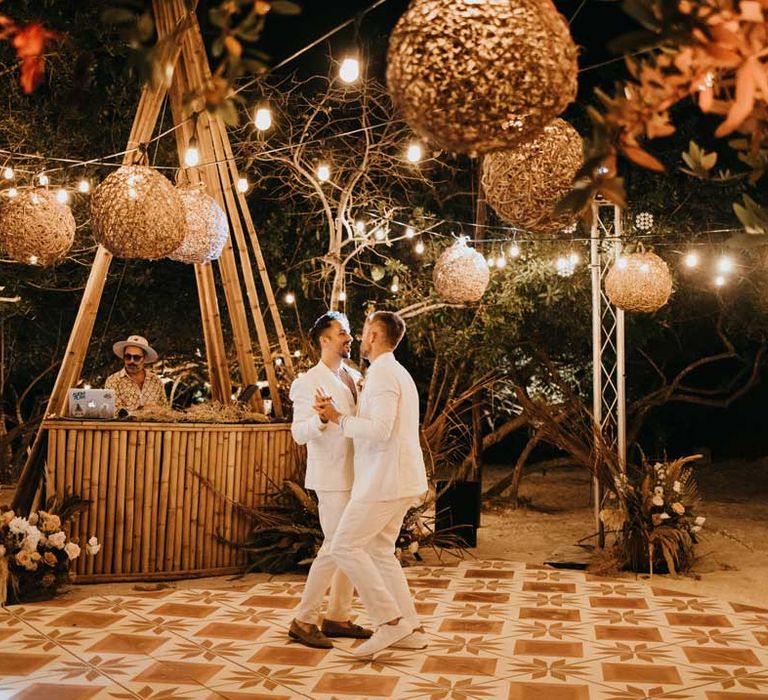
column 388, row 461
column 329, row 453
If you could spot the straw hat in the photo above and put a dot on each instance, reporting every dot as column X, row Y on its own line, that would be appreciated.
column 138, row 342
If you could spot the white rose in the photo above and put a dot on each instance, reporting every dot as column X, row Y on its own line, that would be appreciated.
column 657, row 500
column 18, row 526
column 32, row 539
column 93, row 546
column 700, row 520
column 72, row 550
column 58, row 540
column 676, row 487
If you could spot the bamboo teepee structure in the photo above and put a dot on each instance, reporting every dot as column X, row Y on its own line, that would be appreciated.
column 185, row 52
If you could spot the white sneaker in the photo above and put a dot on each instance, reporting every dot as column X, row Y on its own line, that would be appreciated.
column 385, row 636
column 415, row 640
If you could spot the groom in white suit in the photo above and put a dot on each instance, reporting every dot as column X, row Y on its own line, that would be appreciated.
column 389, row 479
column 329, row 474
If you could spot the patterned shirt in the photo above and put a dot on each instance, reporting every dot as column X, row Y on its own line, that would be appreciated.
column 128, row 395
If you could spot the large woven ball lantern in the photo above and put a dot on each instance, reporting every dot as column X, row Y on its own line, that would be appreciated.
column 639, row 282
column 137, row 213
column 206, row 228
column 35, row 227
column 461, row 274
column 524, row 185
column 474, row 77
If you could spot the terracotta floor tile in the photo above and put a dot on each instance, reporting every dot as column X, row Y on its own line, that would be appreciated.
column 739, row 608
column 429, row 582
column 272, row 601
column 562, row 614
column 185, row 610
column 19, row 663
column 640, row 673
column 178, row 673
column 486, row 627
column 628, row 633
column 55, row 691
column 698, row 620
column 360, row 684
column 730, row 695
column 618, row 602
column 459, row 665
column 537, row 647
column 547, row 691
column 294, row 655
column 481, row 597
column 239, row 695
column 87, row 620
column 118, row 643
column 761, row 637
column 426, row 609
column 232, row 630
column 719, row 655
column 489, row 573
column 548, row 587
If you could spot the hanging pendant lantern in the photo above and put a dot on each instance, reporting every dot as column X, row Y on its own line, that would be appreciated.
column 524, row 185
column 461, row 274
column 35, row 227
column 639, row 282
column 206, row 229
column 137, row 213
column 474, row 77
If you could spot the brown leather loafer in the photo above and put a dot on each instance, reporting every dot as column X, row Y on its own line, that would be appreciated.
column 331, row 628
column 309, row 638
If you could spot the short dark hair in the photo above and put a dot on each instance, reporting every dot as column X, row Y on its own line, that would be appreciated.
column 323, row 323
column 392, row 325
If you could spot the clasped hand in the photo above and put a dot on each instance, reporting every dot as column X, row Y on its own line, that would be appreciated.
column 325, row 408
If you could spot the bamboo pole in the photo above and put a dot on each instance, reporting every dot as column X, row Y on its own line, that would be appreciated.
column 85, row 493
column 179, row 510
column 94, row 510
column 161, row 514
column 118, row 498
column 138, row 504
column 148, row 511
column 128, row 523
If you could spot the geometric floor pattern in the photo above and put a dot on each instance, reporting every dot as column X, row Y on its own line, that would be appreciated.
column 497, row 629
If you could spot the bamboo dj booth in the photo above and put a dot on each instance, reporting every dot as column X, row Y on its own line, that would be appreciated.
column 162, row 497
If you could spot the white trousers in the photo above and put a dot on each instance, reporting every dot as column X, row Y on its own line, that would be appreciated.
column 324, row 572
column 364, row 549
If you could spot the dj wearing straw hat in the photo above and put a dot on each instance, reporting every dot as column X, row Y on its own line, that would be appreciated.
column 135, row 386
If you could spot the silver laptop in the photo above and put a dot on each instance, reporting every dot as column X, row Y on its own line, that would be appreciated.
column 91, row 403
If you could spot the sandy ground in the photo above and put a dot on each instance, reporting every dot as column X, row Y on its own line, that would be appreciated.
column 733, row 554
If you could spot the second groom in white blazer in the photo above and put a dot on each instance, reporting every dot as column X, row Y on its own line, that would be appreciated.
column 389, row 479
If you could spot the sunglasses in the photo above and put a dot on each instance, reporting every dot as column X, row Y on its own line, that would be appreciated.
column 129, row 356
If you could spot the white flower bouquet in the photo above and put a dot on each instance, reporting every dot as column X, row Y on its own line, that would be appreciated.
column 35, row 555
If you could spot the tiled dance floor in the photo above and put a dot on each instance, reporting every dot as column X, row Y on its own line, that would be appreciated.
column 497, row 629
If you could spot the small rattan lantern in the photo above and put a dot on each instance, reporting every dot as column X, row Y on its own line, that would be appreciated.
column 475, row 77
column 206, row 230
column 137, row 213
column 35, row 227
column 639, row 282
column 524, row 185
column 461, row 274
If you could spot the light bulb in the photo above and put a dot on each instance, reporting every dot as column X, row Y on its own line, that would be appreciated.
column 691, row 260
column 622, row 263
column 415, row 152
column 242, row 184
column 33, row 259
column 394, row 288
column 13, row 192
column 419, row 248
column 349, row 71
column 86, row 386
column 191, row 156
column 491, row 261
column 84, row 186
column 290, row 298
column 514, row 251
column 132, row 193
column 8, row 173
column 501, row 261
column 62, row 196
column 645, row 267
column 573, row 258
column 43, row 179
column 409, row 232
column 342, row 296
column 719, row 281
column 323, row 172
column 297, row 353
column 35, row 199
column 379, row 234
column 725, row 264
column 263, row 118
column 360, row 226
column 279, row 361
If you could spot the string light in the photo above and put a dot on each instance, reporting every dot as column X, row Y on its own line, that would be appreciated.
column 43, row 179
column 501, row 262
column 491, row 261
column 242, row 184
column 415, row 152
column 13, row 192
column 622, row 263
column 725, row 264
column 33, row 259
column 8, row 173
column 691, row 260
column 349, row 71
column 409, row 232
column 84, row 186
column 62, row 196
column 419, row 248
column 379, row 234
column 323, row 172
column 289, row 298
column 263, row 118
column 565, row 267
column 360, row 226
column 573, row 259
column 297, row 353
column 514, row 251
column 192, row 154
column 394, row 288
column 279, row 361
column 342, row 296
column 644, row 221
column 720, row 281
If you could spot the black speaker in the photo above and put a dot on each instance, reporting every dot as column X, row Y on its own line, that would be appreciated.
column 457, row 511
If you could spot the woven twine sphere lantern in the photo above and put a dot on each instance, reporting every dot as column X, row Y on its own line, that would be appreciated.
column 474, row 77
column 206, row 228
column 524, row 185
column 639, row 282
column 461, row 274
column 35, row 227
column 137, row 213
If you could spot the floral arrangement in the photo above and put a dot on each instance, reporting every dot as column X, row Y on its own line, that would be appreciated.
column 653, row 516
column 35, row 555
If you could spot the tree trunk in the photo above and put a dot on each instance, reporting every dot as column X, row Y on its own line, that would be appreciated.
column 512, row 481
